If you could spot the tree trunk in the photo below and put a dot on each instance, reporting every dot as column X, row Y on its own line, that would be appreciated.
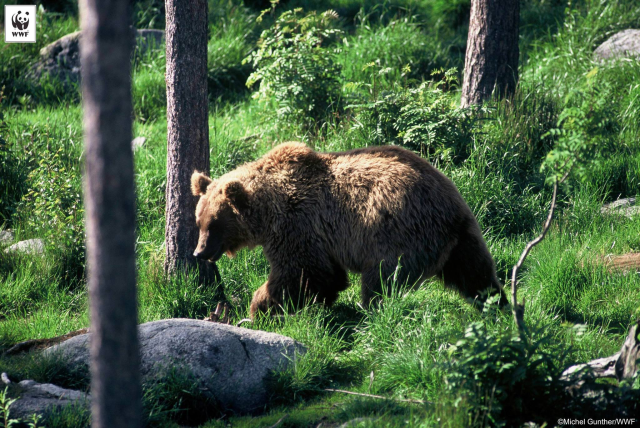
column 110, row 207
column 187, row 130
column 491, row 61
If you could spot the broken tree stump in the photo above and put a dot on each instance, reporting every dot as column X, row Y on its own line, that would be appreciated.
column 622, row 365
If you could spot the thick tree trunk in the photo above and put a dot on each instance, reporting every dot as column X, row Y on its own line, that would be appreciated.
column 110, row 206
column 187, row 130
column 491, row 61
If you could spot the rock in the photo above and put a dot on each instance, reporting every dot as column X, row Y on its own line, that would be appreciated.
column 232, row 364
column 358, row 422
column 6, row 237
column 30, row 246
column 44, row 398
column 61, row 59
column 137, row 142
column 626, row 207
column 625, row 43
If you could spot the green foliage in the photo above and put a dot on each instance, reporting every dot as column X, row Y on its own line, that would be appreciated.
column 149, row 94
column 319, row 367
column 53, row 207
column 507, row 380
column 401, row 43
column 296, row 68
column 232, row 40
column 177, row 396
column 585, row 128
column 425, row 119
column 5, row 404
column 73, row 416
column 148, row 14
column 12, row 176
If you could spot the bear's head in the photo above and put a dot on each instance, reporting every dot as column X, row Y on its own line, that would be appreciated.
column 220, row 216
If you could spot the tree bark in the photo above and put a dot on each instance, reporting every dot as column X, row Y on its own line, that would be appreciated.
column 491, row 61
column 110, row 213
column 187, row 130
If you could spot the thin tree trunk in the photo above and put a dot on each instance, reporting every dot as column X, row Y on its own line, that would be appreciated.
column 491, row 61
column 110, row 206
column 187, row 130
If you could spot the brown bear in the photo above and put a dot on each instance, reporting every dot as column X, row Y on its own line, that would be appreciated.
column 383, row 212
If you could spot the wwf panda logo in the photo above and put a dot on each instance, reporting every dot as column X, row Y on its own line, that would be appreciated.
column 20, row 21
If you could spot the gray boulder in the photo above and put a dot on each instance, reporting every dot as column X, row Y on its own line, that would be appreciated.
column 61, row 59
column 625, row 43
column 232, row 364
column 626, row 207
column 44, row 398
column 30, row 246
column 6, row 237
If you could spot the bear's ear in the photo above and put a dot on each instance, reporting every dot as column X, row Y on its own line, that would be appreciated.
column 235, row 192
column 199, row 183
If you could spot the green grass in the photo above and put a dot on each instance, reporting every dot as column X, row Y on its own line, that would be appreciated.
column 402, row 349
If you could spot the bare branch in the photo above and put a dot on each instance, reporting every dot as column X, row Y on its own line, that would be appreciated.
column 517, row 309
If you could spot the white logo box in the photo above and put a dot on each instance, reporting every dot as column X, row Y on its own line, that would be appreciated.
column 20, row 23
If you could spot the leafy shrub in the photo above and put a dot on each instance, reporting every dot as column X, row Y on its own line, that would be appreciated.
column 53, row 209
column 296, row 68
column 506, row 380
column 586, row 129
column 425, row 119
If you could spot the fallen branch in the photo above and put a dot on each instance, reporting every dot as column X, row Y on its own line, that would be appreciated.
column 622, row 365
column 625, row 262
column 380, row 397
column 277, row 424
column 28, row 345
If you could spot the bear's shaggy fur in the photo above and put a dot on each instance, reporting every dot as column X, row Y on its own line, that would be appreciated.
column 319, row 215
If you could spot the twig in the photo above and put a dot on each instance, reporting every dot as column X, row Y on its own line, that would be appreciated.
column 380, row 397
column 42, row 343
column 518, row 310
column 242, row 321
column 279, row 421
